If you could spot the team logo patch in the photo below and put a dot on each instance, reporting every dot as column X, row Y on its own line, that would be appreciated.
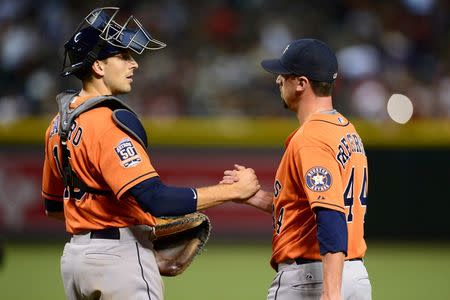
column 127, row 153
column 318, row 179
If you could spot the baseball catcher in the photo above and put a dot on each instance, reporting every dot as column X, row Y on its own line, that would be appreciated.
column 99, row 178
column 178, row 239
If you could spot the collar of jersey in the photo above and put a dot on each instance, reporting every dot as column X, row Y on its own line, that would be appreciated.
column 77, row 100
column 322, row 117
column 333, row 118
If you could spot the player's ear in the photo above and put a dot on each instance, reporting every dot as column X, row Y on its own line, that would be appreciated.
column 302, row 83
column 98, row 68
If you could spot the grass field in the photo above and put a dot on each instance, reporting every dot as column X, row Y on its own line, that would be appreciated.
column 397, row 270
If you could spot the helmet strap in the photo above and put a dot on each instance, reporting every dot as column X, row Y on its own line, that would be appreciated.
column 93, row 54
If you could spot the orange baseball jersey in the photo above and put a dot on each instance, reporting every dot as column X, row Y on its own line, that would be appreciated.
column 324, row 165
column 105, row 158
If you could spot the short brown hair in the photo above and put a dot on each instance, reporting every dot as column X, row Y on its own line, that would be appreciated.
column 83, row 75
column 321, row 89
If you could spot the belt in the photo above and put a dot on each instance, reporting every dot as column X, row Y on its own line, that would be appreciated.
column 302, row 261
column 290, row 264
column 354, row 259
column 133, row 233
column 107, row 234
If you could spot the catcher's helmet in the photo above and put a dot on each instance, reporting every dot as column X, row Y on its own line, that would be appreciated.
column 99, row 36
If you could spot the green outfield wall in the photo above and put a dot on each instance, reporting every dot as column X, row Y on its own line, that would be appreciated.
column 248, row 132
column 408, row 172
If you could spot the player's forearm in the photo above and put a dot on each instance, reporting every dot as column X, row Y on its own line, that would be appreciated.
column 215, row 195
column 243, row 188
column 262, row 200
column 333, row 264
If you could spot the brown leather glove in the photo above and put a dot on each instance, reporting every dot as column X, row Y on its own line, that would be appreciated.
column 179, row 240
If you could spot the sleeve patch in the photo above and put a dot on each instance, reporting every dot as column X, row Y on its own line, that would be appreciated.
column 318, row 179
column 127, row 153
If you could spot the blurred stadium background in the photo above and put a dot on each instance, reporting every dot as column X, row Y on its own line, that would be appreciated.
column 207, row 104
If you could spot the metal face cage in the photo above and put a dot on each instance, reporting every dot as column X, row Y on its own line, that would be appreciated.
column 98, row 30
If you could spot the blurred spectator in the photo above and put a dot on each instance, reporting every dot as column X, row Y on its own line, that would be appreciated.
column 358, row 62
column 369, row 100
column 444, row 97
column 211, row 65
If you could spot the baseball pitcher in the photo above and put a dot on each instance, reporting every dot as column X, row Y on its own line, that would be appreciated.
column 320, row 191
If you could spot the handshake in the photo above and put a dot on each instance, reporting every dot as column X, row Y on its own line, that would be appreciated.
column 247, row 188
column 238, row 185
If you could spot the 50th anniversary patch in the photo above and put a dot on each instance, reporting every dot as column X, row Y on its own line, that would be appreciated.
column 318, row 179
column 127, row 153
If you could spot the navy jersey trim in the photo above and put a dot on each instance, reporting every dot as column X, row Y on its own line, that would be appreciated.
column 52, row 195
column 137, row 178
column 329, row 204
column 340, row 125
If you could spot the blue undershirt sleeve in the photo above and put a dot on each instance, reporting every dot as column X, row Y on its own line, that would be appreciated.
column 161, row 200
column 331, row 231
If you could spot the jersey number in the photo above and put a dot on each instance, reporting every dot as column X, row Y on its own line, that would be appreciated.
column 277, row 221
column 77, row 133
column 349, row 194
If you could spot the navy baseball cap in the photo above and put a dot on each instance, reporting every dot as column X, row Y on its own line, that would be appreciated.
column 305, row 57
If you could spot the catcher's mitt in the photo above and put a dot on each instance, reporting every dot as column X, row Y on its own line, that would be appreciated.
column 179, row 240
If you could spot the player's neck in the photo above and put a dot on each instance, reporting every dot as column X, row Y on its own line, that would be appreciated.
column 313, row 105
column 94, row 88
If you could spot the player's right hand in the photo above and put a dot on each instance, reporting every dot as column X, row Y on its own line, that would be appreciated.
column 262, row 200
column 247, row 183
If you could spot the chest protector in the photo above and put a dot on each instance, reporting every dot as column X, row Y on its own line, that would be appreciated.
column 122, row 115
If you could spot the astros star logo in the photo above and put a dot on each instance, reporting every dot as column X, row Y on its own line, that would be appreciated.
column 318, row 179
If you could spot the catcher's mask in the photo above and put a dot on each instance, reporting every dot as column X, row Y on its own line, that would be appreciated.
column 99, row 36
